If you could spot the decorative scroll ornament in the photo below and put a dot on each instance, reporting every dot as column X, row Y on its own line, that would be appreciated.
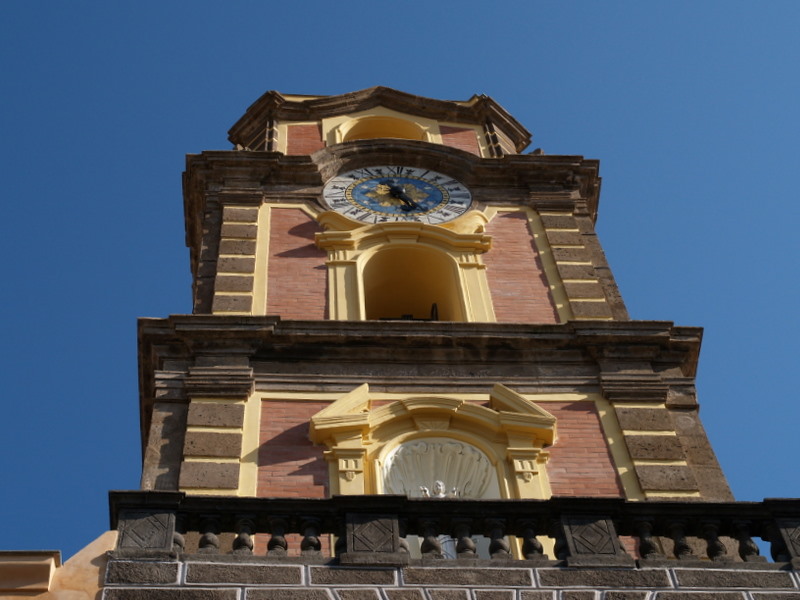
column 441, row 464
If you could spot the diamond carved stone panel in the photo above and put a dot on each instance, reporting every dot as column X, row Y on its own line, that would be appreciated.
column 593, row 541
column 790, row 531
column 372, row 533
column 373, row 540
column 145, row 530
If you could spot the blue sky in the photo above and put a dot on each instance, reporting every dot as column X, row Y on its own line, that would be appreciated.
column 691, row 107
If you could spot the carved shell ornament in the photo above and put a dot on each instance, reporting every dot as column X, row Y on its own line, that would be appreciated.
column 437, row 468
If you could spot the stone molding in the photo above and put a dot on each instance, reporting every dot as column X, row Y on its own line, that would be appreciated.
column 272, row 106
column 209, row 579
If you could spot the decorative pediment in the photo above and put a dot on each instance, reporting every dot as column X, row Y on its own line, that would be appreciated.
column 508, row 413
column 436, row 438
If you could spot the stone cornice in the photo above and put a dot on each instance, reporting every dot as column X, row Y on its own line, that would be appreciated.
column 617, row 357
column 212, row 179
column 273, row 105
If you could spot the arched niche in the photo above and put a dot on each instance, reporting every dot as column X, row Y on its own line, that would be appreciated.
column 361, row 439
column 378, row 271
column 439, row 467
column 368, row 128
column 412, row 282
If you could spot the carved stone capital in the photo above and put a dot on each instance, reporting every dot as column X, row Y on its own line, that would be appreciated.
column 219, row 381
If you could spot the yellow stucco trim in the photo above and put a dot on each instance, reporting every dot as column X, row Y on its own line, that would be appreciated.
column 635, row 432
column 248, row 459
column 207, row 491
column 335, row 129
column 261, row 270
column 609, row 423
column 660, row 462
column 248, row 472
column 653, row 494
column 511, row 431
column 554, row 282
column 652, row 405
column 619, row 451
column 351, row 249
column 216, row 429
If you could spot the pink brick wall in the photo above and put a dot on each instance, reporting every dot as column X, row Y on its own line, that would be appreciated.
column 580, row 463
column 460, row 137
column 514, row 271
column 297, row 279
column 304, row 139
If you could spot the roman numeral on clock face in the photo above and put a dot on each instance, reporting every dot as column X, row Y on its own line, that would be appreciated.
column 395, row 193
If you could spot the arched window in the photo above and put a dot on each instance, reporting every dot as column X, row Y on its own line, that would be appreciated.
column 401, row 270
column 412, row 283
column 369, row 128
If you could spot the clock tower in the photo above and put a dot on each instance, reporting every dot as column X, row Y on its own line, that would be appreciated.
column 409, row 375
column 389, row 296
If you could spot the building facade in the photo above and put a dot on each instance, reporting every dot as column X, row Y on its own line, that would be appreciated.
column 409, row 375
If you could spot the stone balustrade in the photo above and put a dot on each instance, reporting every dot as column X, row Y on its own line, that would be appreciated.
column 375, row 530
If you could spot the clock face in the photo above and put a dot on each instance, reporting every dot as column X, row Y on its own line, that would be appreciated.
column 384, row 194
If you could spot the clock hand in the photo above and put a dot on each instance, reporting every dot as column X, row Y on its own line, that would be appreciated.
column 397, row 191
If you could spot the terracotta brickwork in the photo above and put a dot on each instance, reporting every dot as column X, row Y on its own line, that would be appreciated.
column 289, row 465
column 580, row 463
column 462, row 138
column 297, row 276
column 519, row 289
column 304, row 139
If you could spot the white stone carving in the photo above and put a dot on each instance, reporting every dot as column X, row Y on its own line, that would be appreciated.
column 441, row 463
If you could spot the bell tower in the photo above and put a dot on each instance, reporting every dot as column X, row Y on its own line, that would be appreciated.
column 390, row 297
column 409, row 375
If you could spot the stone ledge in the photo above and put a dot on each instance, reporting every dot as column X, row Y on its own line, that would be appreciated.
column 150, row 593
column 347, row 576
column 243, row 574
column 288, row 594
column 711, row 578
column 142, row 572
column 358, row 594
column 467, row 576
column 698, row 596
column 613, row 578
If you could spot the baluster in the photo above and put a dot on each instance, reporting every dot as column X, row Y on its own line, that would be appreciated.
column 465, row 547
column 402, row 525
column 777, row 546
column 715, row 549
column 277, row 545
column 243, row 542
column 209, row 542
column 340, row 547
column 531, row 547
column 682, row 550
column 431, row 547
column 561, row 548
column 748, row 549
column 178, row 541
column 498, row 547
column 647, row 545
column 310, row 546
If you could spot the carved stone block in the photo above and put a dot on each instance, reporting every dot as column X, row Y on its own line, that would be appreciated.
column 373, row 539
column 145, row 530
column 593, row 541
